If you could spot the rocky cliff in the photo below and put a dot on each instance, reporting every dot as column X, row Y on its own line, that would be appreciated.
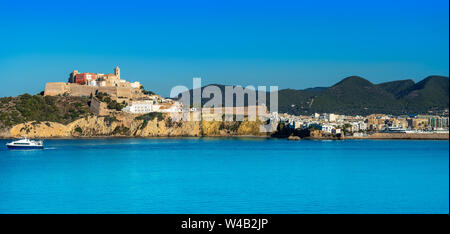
column 127, row 125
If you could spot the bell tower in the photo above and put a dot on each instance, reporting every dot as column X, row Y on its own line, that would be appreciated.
column 72, row 76
column 117, row 72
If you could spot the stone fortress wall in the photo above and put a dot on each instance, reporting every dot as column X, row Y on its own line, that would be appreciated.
column 56, row 88
column 99, row 108
column 118, row 89
column 72, row 89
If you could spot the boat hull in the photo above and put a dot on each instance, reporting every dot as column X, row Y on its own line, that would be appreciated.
column 24, row 147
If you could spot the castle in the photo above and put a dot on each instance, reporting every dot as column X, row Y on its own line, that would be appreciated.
column 101, row 80
column 87, row 84
column 120, row 90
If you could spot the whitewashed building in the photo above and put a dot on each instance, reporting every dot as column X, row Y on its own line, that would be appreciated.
column 362, row 126
column 135, row 85
column 331, row 117
column 327, row 128
column 147, row 106
column 139, row 107
column 92, row 83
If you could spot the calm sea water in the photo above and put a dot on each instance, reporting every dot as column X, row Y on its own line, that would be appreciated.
column 226, row 176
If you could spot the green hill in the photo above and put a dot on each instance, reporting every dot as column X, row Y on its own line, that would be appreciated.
column 356, row 95
column 297, row 101
column 396, row 88
column 429, row 94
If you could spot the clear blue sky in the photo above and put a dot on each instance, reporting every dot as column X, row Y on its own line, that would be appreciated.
column 292, row 44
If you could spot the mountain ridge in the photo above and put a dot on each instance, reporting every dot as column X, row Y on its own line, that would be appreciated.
column 355, row 95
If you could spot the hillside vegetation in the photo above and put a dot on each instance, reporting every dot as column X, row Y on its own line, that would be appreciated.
column 357, row 96
column 26, row 107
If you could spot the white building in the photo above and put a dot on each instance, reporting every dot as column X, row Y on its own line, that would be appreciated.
column 135, row 85
column 139, row 107
column 298, row 124
column 362, row 126
column 147, row 106
column 327, row 128
column 175, row 107
column 336, row 131
column 92, row 83
column 88, row 77
column 331, row 117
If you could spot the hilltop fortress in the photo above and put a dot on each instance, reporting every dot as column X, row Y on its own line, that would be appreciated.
column 130, row 95
column 87, row 84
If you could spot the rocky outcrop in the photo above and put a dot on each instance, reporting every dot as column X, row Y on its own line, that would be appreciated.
column 40, row 130
column 231, row 128
column 127, row 125
column 166, row 127
column 294, row 138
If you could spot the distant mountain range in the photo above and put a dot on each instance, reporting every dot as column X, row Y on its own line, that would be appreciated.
column 356, row 95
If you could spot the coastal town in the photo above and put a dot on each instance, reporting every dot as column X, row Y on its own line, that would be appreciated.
column 329, row 124
column 110, row 96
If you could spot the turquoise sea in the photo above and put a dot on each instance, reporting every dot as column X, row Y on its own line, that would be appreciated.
column 216, row 175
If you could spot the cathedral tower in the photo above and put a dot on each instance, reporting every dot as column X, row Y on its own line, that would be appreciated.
column 117, row 72
column 73, row 76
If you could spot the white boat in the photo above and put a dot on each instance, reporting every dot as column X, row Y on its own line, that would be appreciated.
column 25, row 144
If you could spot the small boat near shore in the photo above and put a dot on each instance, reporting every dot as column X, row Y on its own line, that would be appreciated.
column 26, row 144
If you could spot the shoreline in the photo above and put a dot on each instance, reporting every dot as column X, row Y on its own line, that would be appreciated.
column 405, row 136
column 443, row 138
column 138, row 137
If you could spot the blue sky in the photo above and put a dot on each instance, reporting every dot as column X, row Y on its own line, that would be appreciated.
column 292, row 44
